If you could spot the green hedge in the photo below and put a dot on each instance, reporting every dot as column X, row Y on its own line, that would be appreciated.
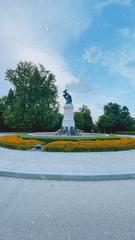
column 49, row 139
column 126, row 133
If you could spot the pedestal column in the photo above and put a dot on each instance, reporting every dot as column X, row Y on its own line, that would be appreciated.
column 68, row 120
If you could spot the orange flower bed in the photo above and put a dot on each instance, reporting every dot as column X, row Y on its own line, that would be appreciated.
column 17, row 142
column 87, row 146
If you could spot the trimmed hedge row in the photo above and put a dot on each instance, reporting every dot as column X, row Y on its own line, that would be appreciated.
column 49, row 139
column 126, row 133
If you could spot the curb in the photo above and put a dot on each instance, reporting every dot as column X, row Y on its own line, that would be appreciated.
column 68, row 177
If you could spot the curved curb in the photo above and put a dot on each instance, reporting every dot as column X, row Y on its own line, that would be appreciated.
column 68, row 177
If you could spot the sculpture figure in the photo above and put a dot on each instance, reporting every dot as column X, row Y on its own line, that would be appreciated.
column 68, row 123
column 67, row 96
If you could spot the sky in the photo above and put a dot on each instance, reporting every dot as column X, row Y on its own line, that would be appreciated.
column 88, row 44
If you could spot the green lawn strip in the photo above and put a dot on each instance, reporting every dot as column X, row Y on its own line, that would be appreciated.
column 49, row 139
column 126, row 133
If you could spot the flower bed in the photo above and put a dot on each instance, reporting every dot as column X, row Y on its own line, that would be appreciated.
column 91, row 146
column 16, row 142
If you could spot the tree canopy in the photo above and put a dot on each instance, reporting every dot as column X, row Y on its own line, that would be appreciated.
column 115, row 118
column 32, row 103
column 83, row 119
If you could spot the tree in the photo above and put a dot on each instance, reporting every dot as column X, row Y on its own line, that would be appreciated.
column 59, row 118
column 106, row 123
column 2, row 108
column 3, row 125
column 83, row 119
column 32, row 103
column 115, row 118
column 126, row 121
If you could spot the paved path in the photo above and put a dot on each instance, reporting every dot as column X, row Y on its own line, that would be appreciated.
column 101, row 163
column 47, row 210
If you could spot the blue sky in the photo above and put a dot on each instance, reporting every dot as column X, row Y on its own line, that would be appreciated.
column 88, row 44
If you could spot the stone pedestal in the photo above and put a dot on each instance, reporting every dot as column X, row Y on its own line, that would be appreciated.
column 68, row 123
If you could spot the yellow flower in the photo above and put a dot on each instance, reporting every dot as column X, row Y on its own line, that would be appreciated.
column 89, row 145
column 15, row 141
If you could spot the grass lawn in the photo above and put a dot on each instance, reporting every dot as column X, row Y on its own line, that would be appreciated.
column 49, row 139
column 126, row 133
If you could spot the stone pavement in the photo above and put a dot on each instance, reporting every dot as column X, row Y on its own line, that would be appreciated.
column 67, row 166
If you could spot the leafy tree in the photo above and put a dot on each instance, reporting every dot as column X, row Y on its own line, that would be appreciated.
column 32, row 103
column 59, row 118
column 83, row 119
column 3, row 125
column 115, row 118
column 105, row 123
column 2, row 108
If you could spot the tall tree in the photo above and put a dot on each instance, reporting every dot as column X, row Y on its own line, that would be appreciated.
column 2, row 109
column 32, row 104
column 115, row 118
column 83, row 119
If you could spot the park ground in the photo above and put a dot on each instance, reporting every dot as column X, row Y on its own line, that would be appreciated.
column 46, row 210
column 68, row 210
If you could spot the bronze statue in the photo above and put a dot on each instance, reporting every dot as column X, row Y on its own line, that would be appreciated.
column 67, row 96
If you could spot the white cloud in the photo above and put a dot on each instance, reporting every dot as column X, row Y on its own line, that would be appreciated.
column 92, row 54
column 106, row 3
column 40, row 31
column 95, row 55
column 126, row 66
column 121, row 61
column 20, row 41
column 127, row 32
column 65, row 20
column 51, row 60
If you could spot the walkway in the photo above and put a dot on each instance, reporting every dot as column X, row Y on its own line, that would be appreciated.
column 74, row 166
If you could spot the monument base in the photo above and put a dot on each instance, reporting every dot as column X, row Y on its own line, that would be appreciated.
column 68, row 120
column 68, row 124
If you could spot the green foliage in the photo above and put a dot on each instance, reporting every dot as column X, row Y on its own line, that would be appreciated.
column 49, row 139
column 83, row 119
column 115, row 118
column 126, row 132
column 1, row 113
column 58, row 124
column 3, row 126
column 95, row 128
column 32, row 105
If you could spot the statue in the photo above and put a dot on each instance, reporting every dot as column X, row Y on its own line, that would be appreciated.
column 68, row 123
column 67, row 96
